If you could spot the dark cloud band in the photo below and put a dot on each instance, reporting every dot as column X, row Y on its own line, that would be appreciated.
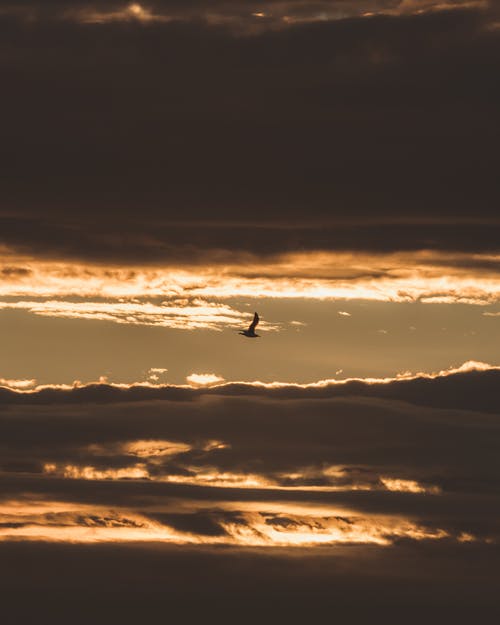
column 386, row 121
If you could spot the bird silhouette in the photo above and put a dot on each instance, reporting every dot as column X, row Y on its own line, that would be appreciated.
column 250, row 333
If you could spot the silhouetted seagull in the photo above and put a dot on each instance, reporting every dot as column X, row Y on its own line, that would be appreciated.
column 251, row 328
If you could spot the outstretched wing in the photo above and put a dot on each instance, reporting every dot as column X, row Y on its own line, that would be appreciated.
column 254, row 323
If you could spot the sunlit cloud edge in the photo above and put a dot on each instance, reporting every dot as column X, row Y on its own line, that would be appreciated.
column 210, row 384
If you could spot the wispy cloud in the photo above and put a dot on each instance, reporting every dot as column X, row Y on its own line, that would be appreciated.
column 154, row 374
column 183, row 315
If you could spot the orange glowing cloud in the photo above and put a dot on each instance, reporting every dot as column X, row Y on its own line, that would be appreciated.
column 285, row 525
column 131, row 12
column 154, row 448
column 18, row 384
column 313, row 479
column 72, row 471
column 398, row 277
column 192, row 298
column 407, row 486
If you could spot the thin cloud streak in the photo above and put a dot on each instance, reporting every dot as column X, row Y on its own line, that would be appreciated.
column 308, row 480
column 183, row 315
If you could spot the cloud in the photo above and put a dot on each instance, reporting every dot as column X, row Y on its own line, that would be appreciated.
column 406, row 486
column 411, row 458
column 154, row 373
column 192, row 154
column 241, row 17
column 18, row 384
column 183, row 315
column 192, row 150
column 191, row 296
column 130, row 13
column 288, row 528
column 204, row 379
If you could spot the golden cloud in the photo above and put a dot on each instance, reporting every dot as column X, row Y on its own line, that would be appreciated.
column 398, row 277
column 286, row 525
column 18, row 384
column 204, row 379
column 328, row 479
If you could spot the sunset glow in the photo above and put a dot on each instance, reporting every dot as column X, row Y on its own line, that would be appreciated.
column 249, row 312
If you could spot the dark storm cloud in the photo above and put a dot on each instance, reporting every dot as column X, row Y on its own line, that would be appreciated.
column 154, row 141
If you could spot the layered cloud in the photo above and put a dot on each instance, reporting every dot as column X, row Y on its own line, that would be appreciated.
column 169, row 163
column 255, row 465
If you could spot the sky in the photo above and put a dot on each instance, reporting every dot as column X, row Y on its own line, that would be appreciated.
column 169, row 168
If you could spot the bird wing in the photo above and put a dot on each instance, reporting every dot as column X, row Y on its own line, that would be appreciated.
column 254, row 323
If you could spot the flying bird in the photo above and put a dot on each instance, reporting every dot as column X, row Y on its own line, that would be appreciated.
column 250, row 333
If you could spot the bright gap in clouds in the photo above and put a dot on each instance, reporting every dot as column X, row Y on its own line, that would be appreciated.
column 301, row 341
